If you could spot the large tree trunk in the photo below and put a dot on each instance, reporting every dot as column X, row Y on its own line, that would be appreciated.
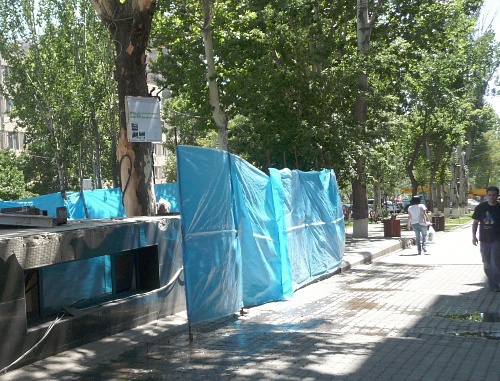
column 411, row 165
column 129, row 22
column 360, row 205
column 218, row 114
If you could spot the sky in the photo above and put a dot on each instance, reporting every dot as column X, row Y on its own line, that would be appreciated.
column 490, row 15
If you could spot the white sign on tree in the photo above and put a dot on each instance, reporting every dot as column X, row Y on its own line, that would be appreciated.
column 143, row 119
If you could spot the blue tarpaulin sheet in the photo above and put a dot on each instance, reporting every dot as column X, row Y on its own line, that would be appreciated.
column 266, row 274
column 14, row 204
column 48, row 202
column 289, row 225
column 314, row 223
column 88, row 278
column 100, row 203
column 210, row 249
column 247, row 238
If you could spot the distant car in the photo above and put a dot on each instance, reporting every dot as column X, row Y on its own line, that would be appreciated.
column 471, row 203
column 391, row 207
column 406, row 205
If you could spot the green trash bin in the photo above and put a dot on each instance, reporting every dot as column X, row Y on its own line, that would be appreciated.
column 438, row 223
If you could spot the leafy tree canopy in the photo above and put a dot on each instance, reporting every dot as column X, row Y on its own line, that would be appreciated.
column 12, row 184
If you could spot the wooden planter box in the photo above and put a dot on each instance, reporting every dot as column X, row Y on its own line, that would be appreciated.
column 438, row 222
column 392, row 228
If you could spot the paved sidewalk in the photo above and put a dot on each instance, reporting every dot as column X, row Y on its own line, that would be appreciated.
column 361, row 250
column 384, row 317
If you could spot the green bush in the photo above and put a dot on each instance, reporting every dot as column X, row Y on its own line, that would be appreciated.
column 12, row 184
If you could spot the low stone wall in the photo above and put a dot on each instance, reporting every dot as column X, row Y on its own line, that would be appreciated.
column 147, row 249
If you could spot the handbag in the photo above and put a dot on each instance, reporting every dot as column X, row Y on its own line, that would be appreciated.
column 422, row 217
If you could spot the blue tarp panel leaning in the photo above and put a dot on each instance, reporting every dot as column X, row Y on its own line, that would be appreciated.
column 290, row 231
column 266, row 274
column 212, row 263
column 314, row 223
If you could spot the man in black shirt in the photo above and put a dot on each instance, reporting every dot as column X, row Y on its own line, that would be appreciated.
column 487, row 216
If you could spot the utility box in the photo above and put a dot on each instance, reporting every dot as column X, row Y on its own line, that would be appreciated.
column 143, row 119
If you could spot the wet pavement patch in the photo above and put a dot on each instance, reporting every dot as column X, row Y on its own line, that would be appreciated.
column 361, row 304
column 483, row 334
column 486, row 317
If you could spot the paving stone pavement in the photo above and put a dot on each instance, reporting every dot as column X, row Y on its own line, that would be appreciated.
column 389, row 315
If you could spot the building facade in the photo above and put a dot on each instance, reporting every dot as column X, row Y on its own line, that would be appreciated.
column 10, row 137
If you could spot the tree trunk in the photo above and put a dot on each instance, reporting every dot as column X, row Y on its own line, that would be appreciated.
column 463, row 187
column 433, row 207
column 455, row 175
column 360, row 205
column 377, row 195
column 441, row 195
column 359, row 209
column 411, row 165
column 94, row 128
column 129, row 22
column 96, row 163
column 218, row 114
column 59, row 162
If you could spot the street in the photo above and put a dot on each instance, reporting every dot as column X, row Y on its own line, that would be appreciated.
column 403, row 317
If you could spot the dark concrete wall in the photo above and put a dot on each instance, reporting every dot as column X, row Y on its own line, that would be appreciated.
column 20, row 252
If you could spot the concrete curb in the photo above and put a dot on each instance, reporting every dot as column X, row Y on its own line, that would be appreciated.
column 360, row 252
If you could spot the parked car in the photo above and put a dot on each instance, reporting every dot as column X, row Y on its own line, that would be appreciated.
column 391, row 207
column 471, row 203
column 406, row 205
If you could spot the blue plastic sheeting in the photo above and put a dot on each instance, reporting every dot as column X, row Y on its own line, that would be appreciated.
column 87, row 278
column 211, row 254
column 290, row 231
column 169, row 192
column 315, row 223
column 91, row 276
column 100, row 203
column 266, row 274
column 14, row 204
column 48, row 202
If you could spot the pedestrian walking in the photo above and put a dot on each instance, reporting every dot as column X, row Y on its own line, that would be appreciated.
column 418, row 220
column 487, row 216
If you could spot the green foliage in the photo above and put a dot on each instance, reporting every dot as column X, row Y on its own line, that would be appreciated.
column 270, row 74
column 287, row 74
column 287, row 71
column 170, row 169
column 60, row 83
column 12, row 184
column 485, row 157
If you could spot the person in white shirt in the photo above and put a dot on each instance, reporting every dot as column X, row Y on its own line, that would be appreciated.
column 418, row 220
